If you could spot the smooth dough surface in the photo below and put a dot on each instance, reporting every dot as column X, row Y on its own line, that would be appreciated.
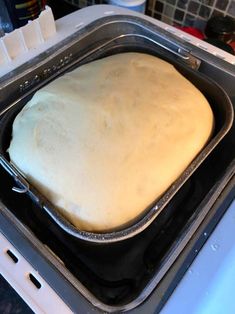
column 107, row 139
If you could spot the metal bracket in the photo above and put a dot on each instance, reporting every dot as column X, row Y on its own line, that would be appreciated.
column 14, row 172
column 189, row 59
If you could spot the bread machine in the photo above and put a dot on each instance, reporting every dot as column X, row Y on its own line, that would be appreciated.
column 48, row 267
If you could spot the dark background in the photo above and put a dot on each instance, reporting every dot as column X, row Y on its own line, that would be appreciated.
column 61, row 8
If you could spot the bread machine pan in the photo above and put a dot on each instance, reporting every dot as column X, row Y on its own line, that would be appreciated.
column 102, row 38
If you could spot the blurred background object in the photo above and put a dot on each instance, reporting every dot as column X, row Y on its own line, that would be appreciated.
column 220, row 44
column 221, row 28
column 192, row 31
column 193, row 16
column 220, row 32
column 17, row 13
column 135, row 5
column 61, row 8
column 5, row 20
column 192, row 13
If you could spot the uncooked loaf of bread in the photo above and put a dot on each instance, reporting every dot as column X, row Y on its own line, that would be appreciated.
column 107, row 139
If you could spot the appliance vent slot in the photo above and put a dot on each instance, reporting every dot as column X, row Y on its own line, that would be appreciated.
column 202, row 47
column 13, row 257
column 219, row 56
column 34, row 280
